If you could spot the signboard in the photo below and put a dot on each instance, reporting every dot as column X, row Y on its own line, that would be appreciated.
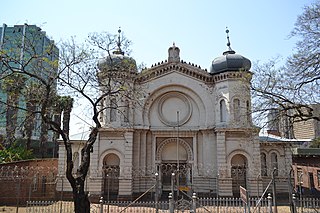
column 243, row 194
column 184, row 188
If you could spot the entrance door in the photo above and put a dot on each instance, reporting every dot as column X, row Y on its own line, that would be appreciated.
column 238, row 173
column 181, row 176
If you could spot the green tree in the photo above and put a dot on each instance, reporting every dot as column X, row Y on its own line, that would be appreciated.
column 13, row 85
column 25, row 52
column 14, row 153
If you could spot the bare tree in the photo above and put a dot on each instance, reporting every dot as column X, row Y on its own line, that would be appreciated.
column 78, row 73
column 292, row 90
column 97, row 84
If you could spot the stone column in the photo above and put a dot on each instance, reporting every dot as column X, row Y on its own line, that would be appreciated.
column 195, row 155
column 224, row 182
column 125, row 182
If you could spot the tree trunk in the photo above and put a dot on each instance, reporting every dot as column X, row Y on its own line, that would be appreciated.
column 11, row 119
column 29, row 122
column 43, row 139
column 81, row 201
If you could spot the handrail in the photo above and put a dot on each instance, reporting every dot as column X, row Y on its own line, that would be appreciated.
column 138, row 198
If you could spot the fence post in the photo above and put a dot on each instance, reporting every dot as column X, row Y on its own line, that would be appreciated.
column 294, row 203
column 61, row 195
column 269, row 202
column 101, row 204
column 194, row 202
column 171, row 210
column 18, row 193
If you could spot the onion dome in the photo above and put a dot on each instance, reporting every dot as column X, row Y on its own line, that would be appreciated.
column 230, row 61
column 117, row 60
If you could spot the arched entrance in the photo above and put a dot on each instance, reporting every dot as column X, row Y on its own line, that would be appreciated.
column 111, row 171
column 174, row 159
column 238, row 173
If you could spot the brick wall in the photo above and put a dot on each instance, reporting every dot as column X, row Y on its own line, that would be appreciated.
column 28, row 180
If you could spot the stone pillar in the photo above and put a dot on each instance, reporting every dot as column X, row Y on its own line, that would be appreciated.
column 125, row 182
column 224, row 182
column 195, row 155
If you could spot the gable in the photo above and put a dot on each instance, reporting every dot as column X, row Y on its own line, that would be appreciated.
column 190, row 70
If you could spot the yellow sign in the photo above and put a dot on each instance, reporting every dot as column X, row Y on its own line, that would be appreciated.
column 184, row 188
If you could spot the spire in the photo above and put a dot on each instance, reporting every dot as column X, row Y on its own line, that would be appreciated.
column 118, row 50
column 229, row 51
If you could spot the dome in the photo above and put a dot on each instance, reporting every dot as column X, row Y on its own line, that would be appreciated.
column 117, row 62
column 230, row 61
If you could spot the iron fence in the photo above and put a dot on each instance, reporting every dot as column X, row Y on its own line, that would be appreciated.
column 196, row 205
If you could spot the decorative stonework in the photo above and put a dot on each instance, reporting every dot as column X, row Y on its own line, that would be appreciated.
column 183, row 143
column 170, row 104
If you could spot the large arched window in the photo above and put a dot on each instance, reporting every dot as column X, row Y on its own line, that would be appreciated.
column 236, row 109
column 223, row 111
column 274, row 162
column 263, row 164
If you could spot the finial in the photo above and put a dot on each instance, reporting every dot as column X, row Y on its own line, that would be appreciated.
column 118, row 50
column 119, row 39
column 228, row 44
column 174, row 44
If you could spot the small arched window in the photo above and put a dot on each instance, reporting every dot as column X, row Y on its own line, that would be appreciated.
column 223, row 111
column 236, row 109
column 274, row 162
column 248, row 111
column 126, row 113
column 113, row 109
column 263, row 164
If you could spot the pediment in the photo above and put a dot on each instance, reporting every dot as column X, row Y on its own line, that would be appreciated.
column 165, row 68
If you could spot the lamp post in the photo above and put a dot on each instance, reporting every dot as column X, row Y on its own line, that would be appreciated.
column 274, row 190
column 172, row 184
column 300, row 191
column 157, row 192
column 108, row 195
column 258, row 180
column 217, row 189
column 178, row 155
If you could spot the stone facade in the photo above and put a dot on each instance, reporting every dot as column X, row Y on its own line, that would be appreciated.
column 191, row 127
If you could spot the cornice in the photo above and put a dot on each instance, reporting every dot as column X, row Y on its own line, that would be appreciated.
column 189, row 69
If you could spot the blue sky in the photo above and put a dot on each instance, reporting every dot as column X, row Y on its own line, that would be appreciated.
column 259, row 29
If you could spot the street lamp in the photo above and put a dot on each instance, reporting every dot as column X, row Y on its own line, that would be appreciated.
column 178, row 172
column 157, row 191
column 172, row 184
column 108, row 195
column 300, row 190
column 274, row 190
